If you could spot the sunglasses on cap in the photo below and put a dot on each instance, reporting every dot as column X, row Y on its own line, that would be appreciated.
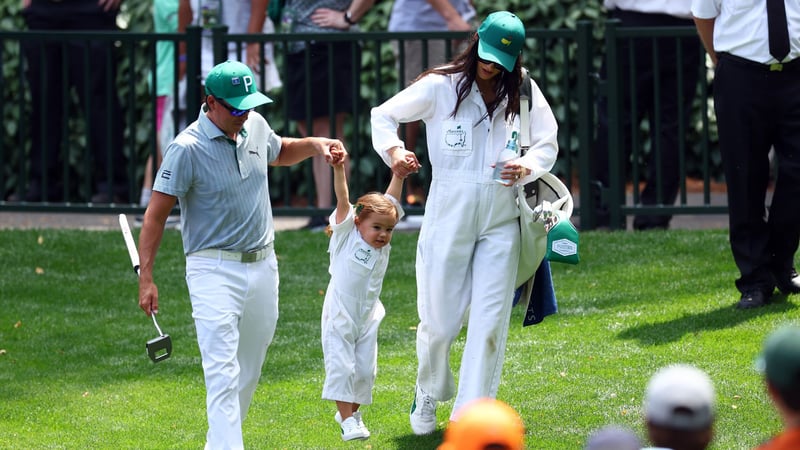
column 234, row 112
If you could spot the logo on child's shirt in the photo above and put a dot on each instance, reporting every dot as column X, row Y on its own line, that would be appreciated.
column 365, row 256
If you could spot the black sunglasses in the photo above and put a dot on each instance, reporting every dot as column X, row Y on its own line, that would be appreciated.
column 234, row 112
column 489, row 63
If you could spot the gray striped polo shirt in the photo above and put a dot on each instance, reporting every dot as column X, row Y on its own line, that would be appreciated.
column 221, row 185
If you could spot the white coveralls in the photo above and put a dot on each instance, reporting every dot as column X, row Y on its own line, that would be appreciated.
column 352, row 313
column 468, row 248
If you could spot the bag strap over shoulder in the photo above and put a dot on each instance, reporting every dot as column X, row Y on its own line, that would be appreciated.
column 525, row 112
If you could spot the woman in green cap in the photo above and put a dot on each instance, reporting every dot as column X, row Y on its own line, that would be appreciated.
column 468, row 248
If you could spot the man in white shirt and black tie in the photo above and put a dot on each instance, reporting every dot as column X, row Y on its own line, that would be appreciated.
column 756, row 48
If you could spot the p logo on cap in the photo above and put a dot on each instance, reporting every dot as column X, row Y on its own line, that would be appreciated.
column 234, row 82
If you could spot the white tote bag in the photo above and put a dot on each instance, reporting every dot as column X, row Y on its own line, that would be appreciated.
column 533, row 241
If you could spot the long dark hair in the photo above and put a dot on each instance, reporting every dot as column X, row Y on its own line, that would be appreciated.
column 507, row 85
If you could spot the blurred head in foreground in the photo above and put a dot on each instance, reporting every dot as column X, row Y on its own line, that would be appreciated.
column 779, row 363
column 485, row 424
column 679, row 408
column 613, row 437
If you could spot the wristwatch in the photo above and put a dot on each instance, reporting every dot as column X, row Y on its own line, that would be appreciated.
column 348, row 18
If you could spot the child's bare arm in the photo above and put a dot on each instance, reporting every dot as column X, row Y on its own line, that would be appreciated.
column 341, row 191
column 395, row 188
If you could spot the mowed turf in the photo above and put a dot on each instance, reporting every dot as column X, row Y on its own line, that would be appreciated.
column 74, row 372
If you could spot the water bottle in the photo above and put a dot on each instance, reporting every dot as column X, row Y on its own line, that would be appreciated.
column 209, row 14
column 507, row 154
column 288, row 19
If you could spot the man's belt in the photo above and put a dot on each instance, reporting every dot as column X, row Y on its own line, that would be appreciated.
column 791, row 66
column 243, row 257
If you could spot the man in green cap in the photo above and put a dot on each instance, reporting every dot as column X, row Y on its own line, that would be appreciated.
column 217, row 169
column 780, row 364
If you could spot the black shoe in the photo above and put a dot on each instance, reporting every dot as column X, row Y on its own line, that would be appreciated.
column 316, row 223
column 752, row 299
column 34, row 194
column 644, row 223
column 102, row 197
column 788, row 283
column 602, row 218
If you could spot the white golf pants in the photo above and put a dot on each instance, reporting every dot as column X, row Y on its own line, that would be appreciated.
column 235, row 309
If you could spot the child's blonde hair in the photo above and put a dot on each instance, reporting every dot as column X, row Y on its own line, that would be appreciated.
column 369, row 203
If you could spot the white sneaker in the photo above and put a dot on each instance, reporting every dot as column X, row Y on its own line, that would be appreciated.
column 357, row 415
column 423, row 413
column 351, row 430
column 360, row 420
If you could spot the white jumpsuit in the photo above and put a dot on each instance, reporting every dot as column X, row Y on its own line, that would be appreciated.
column 352, row 313
column 468, row 248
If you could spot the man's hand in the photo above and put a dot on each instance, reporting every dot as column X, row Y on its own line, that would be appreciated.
column 331, row 149
column 254, row 57
column 329, row 18
column 458, row 24
column 337, row 152
column 148, row 297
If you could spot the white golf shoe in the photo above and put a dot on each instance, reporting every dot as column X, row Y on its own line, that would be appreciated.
column 351, row 430
column 357, row 415
column 423, row 413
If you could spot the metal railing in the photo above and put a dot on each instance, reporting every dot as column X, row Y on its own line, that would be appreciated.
column 632, row 139
column 563, row 62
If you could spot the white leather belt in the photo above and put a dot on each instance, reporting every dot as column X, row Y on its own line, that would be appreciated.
column 243, row 257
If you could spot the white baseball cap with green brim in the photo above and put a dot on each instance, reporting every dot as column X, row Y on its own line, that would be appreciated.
column 234, row 83
column 500, row 39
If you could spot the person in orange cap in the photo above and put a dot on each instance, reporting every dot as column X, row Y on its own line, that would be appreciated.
column 483, row 424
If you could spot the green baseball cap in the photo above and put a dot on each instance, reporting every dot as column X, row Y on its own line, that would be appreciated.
column 234, row 82
column 500, row 39
column 780, row 359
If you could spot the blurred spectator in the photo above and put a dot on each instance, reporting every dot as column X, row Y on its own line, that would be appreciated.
column 485, row 424
column 165, row 20
column 53, row 68
column 423, row 16
column 679, row 408
column 324, row 119
column 676, row 72
column 241, row 17
column 780, row 364
column 613, row 437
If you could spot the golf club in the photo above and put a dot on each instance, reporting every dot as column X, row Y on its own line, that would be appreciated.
column 158, row 348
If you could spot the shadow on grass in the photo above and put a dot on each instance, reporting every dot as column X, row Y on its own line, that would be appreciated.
column 413, row 441
column 720, row 318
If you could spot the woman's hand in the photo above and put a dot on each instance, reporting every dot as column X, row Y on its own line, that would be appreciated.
column 404, row 162
column 513, row 171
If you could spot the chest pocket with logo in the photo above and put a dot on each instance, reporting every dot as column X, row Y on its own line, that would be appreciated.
column 456, row 138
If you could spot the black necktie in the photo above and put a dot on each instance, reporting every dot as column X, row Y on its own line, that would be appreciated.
column 778, row 29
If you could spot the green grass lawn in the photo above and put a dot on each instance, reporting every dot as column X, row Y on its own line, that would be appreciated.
column 74, row 373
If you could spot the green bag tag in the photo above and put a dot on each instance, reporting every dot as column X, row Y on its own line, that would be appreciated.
column 562, row 239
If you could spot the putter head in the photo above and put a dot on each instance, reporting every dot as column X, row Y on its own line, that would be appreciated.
column 160, row 348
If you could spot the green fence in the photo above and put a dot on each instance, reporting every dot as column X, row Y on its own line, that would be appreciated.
column 565, row 63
